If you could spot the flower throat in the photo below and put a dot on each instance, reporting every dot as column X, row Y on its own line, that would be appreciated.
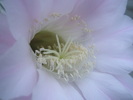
column 67, row 60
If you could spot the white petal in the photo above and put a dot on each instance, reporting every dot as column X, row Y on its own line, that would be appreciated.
column 6, row 38
column 114, row 65
column 42, row 8
column 100, row 13
column 17, row 71
column 23, row 98
column 105, row 85
column 48, row 88
column 19, row 21
column 118, row 67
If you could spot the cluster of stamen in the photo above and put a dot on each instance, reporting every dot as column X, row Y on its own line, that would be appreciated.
column 67, row 61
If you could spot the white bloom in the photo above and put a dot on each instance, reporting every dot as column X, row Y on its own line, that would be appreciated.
column 85, row 34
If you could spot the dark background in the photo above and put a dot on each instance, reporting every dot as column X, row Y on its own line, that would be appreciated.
column 129, row 10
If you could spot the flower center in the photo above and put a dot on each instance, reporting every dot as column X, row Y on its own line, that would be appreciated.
column 59, row 54
column 66, row 60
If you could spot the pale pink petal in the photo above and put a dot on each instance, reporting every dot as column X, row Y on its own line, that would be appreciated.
column 18, row 74
column 127, row 81
column 42, row 8
column 107, row 88
column 114, row 51
column 114, row 65
column 118, row 67
column 91, row 91
column 123, row 24
column 100, row 13
column 116, row 41
column 112, row 87
column 6, row 38
column 63, row 7
column 119, row 45
column 24, row 98
column 71, row 91
column 18, row 18
column 38, row 8
column 48, row 88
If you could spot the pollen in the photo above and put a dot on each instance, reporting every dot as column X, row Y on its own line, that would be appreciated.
column 67, row 61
